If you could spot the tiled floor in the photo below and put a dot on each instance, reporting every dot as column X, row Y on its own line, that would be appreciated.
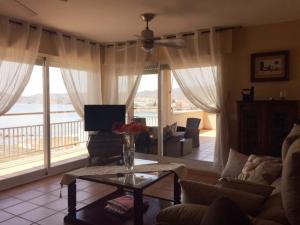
column 205, row 152
column 39, row 202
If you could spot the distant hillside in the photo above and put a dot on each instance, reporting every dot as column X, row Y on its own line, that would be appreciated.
column 38, row 99
column 176, row 93
column 64, row 98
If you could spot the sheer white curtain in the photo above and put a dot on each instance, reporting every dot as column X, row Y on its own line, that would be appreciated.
column 81, row 70
column 122, row 71
column 19, row 44
column 197, row 69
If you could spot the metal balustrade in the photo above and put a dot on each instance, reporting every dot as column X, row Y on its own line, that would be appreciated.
column 22, row 140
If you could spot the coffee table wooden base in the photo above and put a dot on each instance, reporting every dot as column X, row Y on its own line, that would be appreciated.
column 95, row 214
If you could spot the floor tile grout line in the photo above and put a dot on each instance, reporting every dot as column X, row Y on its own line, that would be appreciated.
column 18, row 217
column 8, row 218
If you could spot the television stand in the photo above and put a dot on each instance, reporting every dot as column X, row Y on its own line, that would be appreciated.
column 105, row 148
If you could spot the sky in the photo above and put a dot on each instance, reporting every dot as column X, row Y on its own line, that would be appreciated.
column 35, row 85
column 149, row 82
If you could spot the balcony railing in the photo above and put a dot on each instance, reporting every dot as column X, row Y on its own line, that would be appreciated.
column 22, row 140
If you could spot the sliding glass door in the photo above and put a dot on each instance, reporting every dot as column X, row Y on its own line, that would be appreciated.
column 67, row 135
column 22, row 130
column 42, row 130
column 146, row 111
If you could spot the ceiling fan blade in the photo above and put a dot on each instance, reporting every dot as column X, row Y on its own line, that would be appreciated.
column 170, row 45
column 174, row 41
column 26, row 8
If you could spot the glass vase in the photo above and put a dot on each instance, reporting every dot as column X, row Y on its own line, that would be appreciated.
column 128, row 151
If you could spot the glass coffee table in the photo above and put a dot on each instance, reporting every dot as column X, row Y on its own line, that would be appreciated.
column 134, row 184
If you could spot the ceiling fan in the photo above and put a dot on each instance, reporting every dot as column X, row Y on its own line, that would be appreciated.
column 149, row 41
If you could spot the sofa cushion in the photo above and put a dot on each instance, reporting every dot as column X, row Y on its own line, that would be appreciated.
column 235, row 164
column 259, row 221
column 261, row 169
column 223, row 211
column 260, row 189
column 181, row 214
column 200, row 193
column 277, row 186
column 272, row 210
column 290, row 184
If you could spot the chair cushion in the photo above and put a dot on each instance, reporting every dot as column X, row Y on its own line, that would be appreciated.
column 235, row 164
column 259, row 189
column 261, row 169
column 182, row 214
column 290, row 183
column 200, row 193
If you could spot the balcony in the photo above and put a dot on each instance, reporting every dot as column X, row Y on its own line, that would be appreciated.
column 22, row 147
column 207, row 136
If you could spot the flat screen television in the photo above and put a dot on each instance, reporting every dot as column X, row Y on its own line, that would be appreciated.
column 102, row 117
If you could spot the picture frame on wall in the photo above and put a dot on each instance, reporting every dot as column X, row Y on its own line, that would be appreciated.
column 270, row 66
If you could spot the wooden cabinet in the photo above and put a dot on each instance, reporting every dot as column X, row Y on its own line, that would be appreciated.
column 263, row 125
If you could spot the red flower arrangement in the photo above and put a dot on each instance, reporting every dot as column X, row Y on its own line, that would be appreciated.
column 129, row 132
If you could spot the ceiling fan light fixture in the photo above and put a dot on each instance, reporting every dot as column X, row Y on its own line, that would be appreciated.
column 147, row 45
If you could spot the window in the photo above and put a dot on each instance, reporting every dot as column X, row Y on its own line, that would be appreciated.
column 146, row 99
column 178, row 100
column 67, row 135
column 23, row 129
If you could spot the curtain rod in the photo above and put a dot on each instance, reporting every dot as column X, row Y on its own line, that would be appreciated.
column 52, row 32
column 220, row 29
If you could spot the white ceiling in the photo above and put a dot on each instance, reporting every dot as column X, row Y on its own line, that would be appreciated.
column 118, row 20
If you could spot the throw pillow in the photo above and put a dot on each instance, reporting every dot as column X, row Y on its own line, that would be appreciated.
column 235, row 164
column 290, row 184
column 223, row 211
column 169, row 131
column 261, row 169
column 204, row 194
column 172, row 128
column 259, row 189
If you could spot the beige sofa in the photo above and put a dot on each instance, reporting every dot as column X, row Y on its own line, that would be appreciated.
column 266, row 205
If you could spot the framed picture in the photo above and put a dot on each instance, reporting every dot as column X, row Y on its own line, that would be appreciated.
column 270, row 66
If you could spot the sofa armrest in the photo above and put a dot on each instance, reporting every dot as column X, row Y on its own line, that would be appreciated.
column 200, row 193
column 182, row 214
column 241, row 185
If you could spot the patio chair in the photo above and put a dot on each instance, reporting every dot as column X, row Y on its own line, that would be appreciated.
column 191, row 130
